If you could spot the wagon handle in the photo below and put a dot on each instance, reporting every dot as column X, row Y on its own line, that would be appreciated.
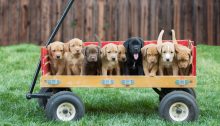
column 56, row 28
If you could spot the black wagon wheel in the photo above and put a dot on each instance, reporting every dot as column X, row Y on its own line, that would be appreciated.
column 65, row 106
column 43, row 101
column 165, row 91
column 179, row 106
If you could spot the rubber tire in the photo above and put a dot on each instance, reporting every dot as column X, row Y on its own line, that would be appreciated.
column 61, row 97
column 43, row 101
column 168, row 90
column 179, row 96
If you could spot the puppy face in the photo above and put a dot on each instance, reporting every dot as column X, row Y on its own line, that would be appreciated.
column 75, row 46
column 184, row 58
column 110, row 51
column 133, row 46
column 56, row 50
column 121, row 53
column 150, row 53
column 167, row 51
column 91, row 53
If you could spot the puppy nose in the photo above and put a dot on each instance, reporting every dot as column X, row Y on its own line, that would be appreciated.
column 58, row 57
column 113, row 59
column 123, row 59
column 135, row 49
column 168, row 60
column 77, row 50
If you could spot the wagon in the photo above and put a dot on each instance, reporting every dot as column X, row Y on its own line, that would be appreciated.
column 176, row 93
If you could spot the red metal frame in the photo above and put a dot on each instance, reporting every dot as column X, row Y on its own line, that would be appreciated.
column 45, row 63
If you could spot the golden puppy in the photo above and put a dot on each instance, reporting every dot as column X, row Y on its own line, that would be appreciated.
column 167, row 61
column 74, row 56
column 56, row 57
column 122, row 58
column 183, row 56
column 150, row 59
column 109, row 57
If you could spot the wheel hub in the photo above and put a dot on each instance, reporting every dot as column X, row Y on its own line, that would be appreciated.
column 179, row 111
column 66, row 111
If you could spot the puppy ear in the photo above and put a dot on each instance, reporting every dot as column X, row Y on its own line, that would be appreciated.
column 84, row 50
column 126, row 43
column 103, row 51
column 99, row 50
column 49, row 49
column 144, row 51
column 66, row 47
column 177, row 48
column 190, row 56
column 142, row 42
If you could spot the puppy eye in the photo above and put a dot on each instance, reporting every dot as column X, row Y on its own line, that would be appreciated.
column 61, row 50
column 116, row 52
column 109, row 52
column 54, row 50
column 171, row 52
column 119, row 52
column 164, row 52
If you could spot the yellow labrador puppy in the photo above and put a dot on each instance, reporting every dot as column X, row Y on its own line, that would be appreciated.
column 167, row 61
column 183, row 56
column 56, row 57
column 74, row 56
column 109, row 57
column 150, row 59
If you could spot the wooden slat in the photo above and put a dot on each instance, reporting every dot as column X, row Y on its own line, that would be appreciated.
column 4, row 19
column 79, row 19
column 45, row 20
column 117, row 81
column 210, row 9
column 144, row 16
column 124, row 19
column 188, row 19
column 134, row 17
column 89, row 21
column 23, row 34
column 101, row 31
column 154, row 19
column 35, row 21
column 13, row 23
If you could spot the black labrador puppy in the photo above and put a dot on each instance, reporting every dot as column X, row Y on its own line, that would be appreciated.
column 134, row 57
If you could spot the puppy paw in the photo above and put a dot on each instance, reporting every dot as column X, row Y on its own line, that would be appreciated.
column 152, row 74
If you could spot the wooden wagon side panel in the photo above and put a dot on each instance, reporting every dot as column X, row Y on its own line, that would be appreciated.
column 118, row 81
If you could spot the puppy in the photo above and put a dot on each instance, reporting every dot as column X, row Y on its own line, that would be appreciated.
column 122, row 58
column 74, row 57
column 56, row 57
column 150, row 59
column 167, row 61
column 92, row 60
column 183, row 56
column 109, row 57
column 134, row 57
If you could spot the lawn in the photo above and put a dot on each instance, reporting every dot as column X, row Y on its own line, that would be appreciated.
column 129, row 107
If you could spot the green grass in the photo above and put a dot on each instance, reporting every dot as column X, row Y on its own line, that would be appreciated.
column 133, row 107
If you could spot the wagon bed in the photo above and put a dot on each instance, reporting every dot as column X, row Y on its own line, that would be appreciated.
column 63, row 81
